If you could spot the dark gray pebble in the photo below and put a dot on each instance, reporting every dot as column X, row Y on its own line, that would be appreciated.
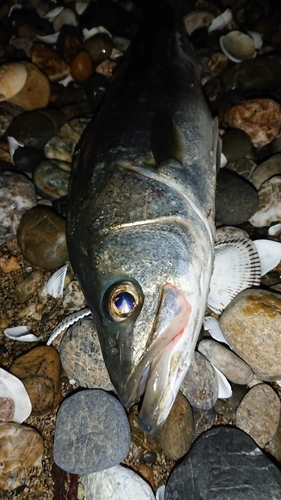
column 200, row 385
column 224, row 463
column 26, row 158
column 32, row 128
column 92, row 432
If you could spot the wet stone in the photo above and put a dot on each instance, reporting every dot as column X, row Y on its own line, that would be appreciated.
column 251, row 324
column 243, row 167
column 51, row 178
column 267, row 169
column 233, row 367
column 236, row 144
column 21, row 450
column 244, row 198
column 269, row 209
column 177, row 432
column 17, row 195
column 62, row 145
column 84, row 422
column 41, row 238
column 70, row 40
column 99, row 47
column 200, row 385
column 82, row 358
column 258, row 413
column 81, row 66
column 48, row 61
column 26, row 158
column 32, row 128
column 27, row 288
column 223, row 463
column 39, row 370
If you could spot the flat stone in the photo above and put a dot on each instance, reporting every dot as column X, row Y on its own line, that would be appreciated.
column 41, row 238
column 82, row 358
column 29, row 286
column 269, row 209
column 267, row 169
column 48, row 61
column 251, row 324
column 224, row 463
column 116, row 483
column 258, row 413
column 200, row 385
column 21, row 449
column 92, row 432
column 62, row 145
column 40, row 370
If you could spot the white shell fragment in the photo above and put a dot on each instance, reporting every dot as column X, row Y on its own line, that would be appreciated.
column 80, row 7
column 221, row 21
column 274, row 230
column 223, row 160
column 238, row 46
column 66, row 80
column 212, row 326
column 13, row 388
column 21, row 333
column 55, row 284
column 236, row 267
column 257, row 39
column 67, row 322
column 269, row 253
column 225, row 390
column 52, row 38
column 93, row 31
column 14, row 144
column 53, row 13
column 160, row 493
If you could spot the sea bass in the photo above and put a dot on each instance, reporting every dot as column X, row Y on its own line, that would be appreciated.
column 141, row 216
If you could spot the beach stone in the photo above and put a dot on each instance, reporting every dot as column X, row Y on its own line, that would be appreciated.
column 8, row 111
column 41, row 238
column 29, row 286
column 106, row 68
column 200, row 385
column 81, row 66
column 82, row 358
column 203, row 420
column 70, row 40
column 51, row 178
column 274, row 445
column 224, row 463
column 244, row 167
column 92, row 432
column 236, row 144
column 258, row 413
column 48, row 61
column 21, row 449
column 39, row 370
column 17, row 195
column 233, row 367
column 32, row 128
column 267, row 169
column 177, row 433
column 26, row 158
column 269, row 209
column 35, row 93
column 62, row 145
column 9, row 263
column 251, row 324
column 260, row 118
column 99, row 47
column 116, row 483
column 244, row 198
column 66, row 16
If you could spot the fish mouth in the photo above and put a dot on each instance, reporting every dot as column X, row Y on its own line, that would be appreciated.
column 156, row 376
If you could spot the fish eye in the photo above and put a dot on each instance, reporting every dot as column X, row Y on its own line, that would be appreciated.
column 122, row 301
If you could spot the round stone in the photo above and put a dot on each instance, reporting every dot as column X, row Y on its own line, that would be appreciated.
column 99, row 47
column 26, row 158
column 32, row 128
column 41, row 238
column 236, row 144
column 92, row 432
column 51, row 178
column 36, row 91
column 62, row 145
column 29, row 286
column 200, row 385
column 81, row 66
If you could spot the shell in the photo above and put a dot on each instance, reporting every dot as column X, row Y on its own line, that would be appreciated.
column 238, row 46
column 14, row 144
column 225, row 390
column 12, row 79
column 269, row 254
column 160, row 493
column 274, row 230
column 20, row 333
column 11, row 388
column 213, row 327
column 55, row 284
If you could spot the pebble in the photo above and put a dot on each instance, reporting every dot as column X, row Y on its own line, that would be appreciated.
column 243, row 167
column 51, row 178
column 224, row 463
column 17, row 195
column 116, row 483
column 21, row 450
column 41, row 238
column 258, row 413
column 29, row 286
column 39, row 370
column 81, row 66
column 48, row 61
column 36, row 91
column 82, row 358
column 233, row 367
column 244, row 198
column 62, row 145
column 177, row 432
column 267, row 169
column 92, row 432
column 8, row 111
column 99, row 47
column 200, row 385
column 9, row 263
column 251, row 324
column 269, row 209
column 70, row 40
column 26, row 158
column 260, row 118
column 73, row 299
column 236, row 144
column 31, row 128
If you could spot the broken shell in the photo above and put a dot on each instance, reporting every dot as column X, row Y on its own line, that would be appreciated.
column 12, row 79
column 275, row 229
column 238, row 46
column 212, row 326
column 20, row 333
column 257, row 39
column 12, row 390
column 160, row 493
column 55, row 284
column 225, row 390
column 269, row 254
column 14, row 144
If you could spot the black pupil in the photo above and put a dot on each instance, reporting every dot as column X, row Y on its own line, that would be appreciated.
column 125, row 302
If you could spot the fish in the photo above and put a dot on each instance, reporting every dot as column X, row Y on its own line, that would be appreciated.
column 141, row 215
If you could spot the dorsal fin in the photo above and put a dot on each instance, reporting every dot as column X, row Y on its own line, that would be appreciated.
column 166, row 138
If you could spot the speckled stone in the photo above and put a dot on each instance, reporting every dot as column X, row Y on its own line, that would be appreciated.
column 21, row 449
column 17, row 195
column 62, row 145
column 116, row 483
column 51, row 178
column 200, row 385
column 251, row 324
column 267, row 169
column 39, row 370
column 226, row 464
column 258, row 413
column 41, row 238
column 92, row 432
column 269, row 209
column 28, row 287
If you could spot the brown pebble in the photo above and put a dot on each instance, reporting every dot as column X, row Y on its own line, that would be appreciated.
column 9, row 263
column 48, row 61
column 106, row 68
column 35, row 93
column 146, row 472
column 7, row 409
column 81, row 66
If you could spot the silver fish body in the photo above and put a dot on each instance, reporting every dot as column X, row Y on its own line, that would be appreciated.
column 141, row 216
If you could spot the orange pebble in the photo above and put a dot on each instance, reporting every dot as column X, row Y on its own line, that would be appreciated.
column 81, row 66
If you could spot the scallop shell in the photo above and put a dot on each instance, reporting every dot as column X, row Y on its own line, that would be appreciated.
column 238, row 46
column 12, row 79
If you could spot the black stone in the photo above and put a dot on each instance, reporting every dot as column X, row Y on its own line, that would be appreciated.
column 224, row 463
column 32, row 128
column 95, row 87
column 27, row 158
